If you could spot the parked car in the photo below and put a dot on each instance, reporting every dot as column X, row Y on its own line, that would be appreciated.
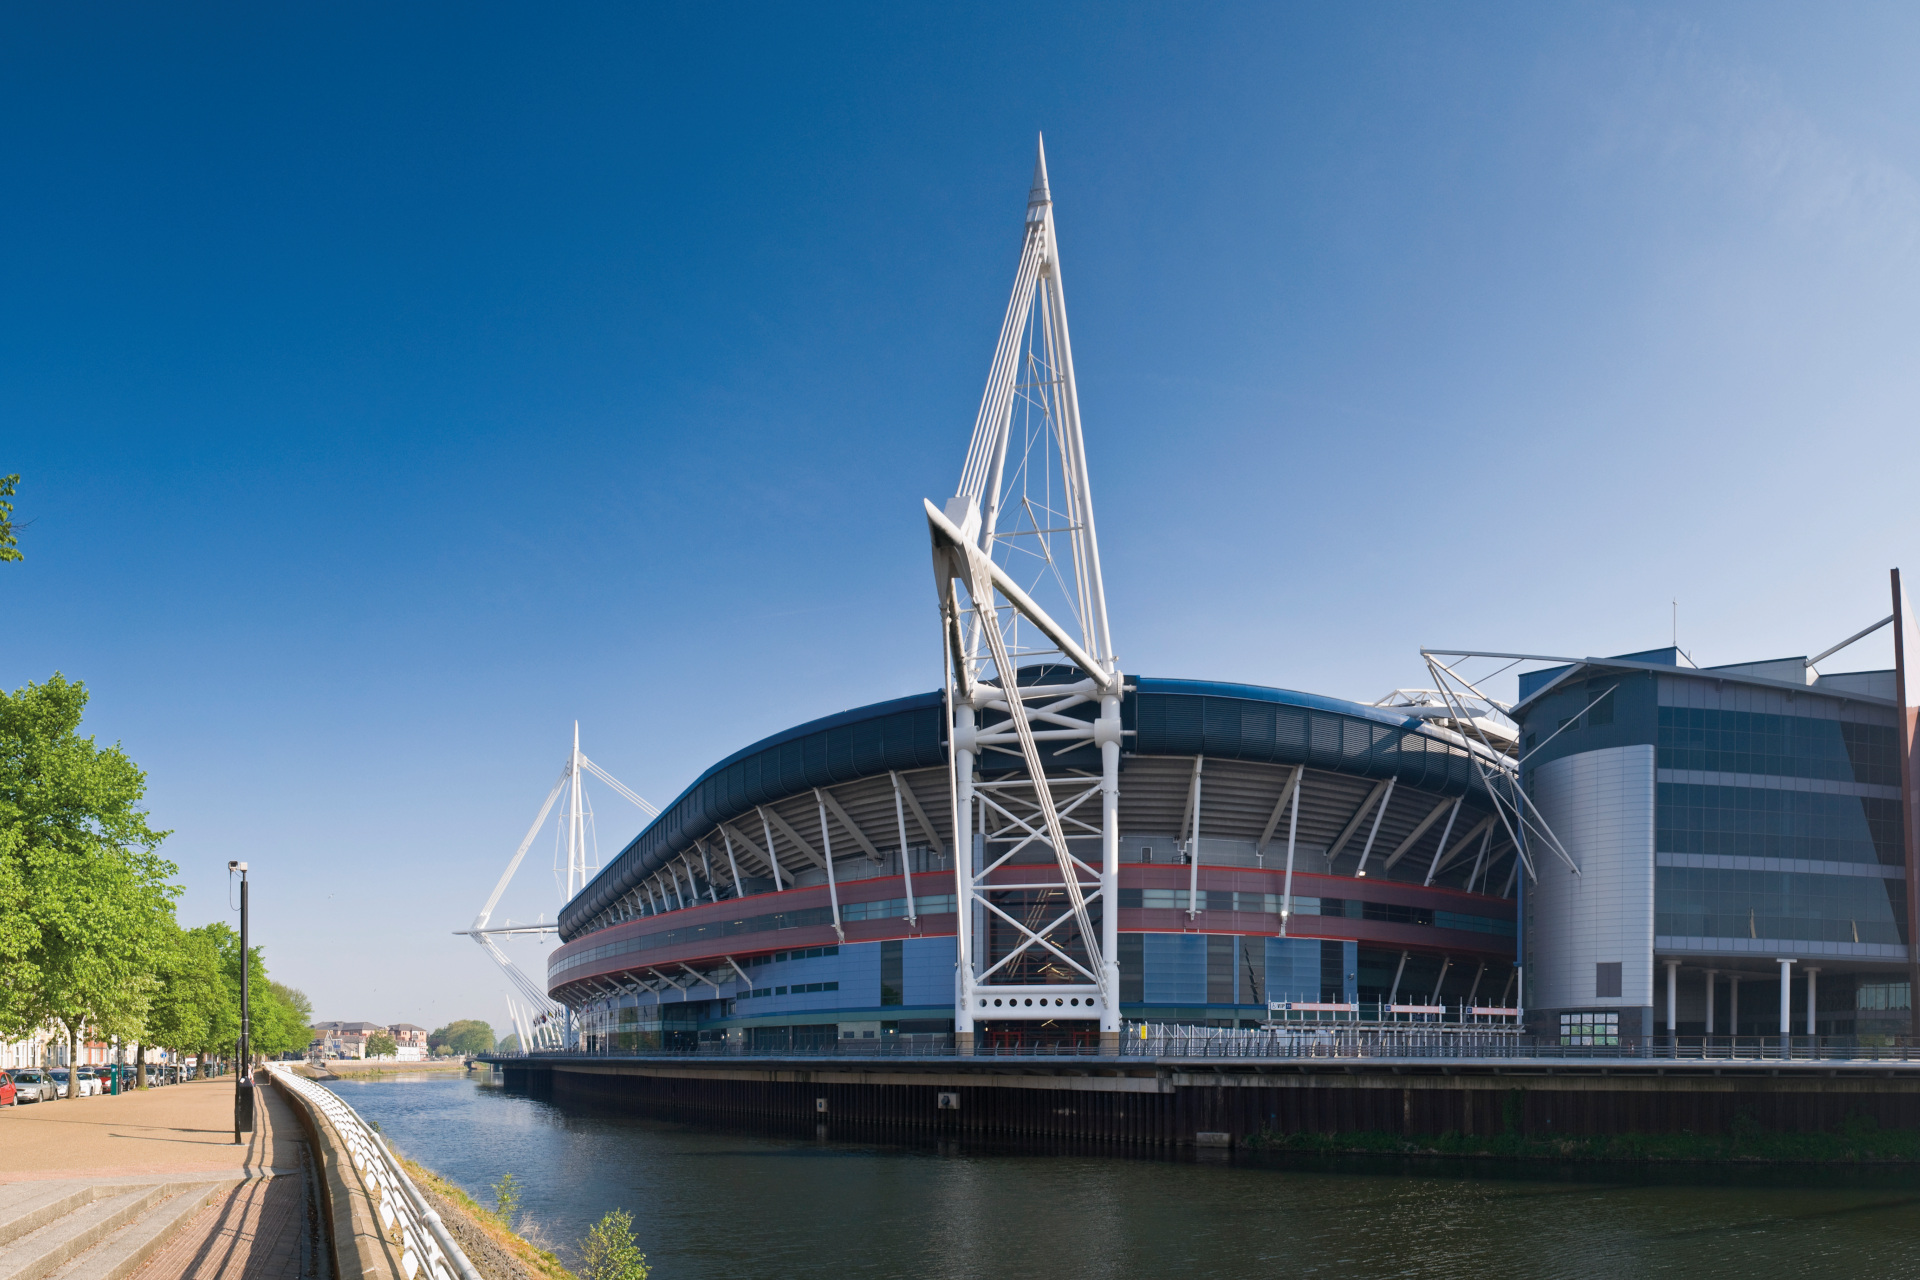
column 31, row 1085
column 88, row 1083
column 62, row 1081
column 9, row 1096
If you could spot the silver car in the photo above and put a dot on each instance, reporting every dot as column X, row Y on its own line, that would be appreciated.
column 31, row 1084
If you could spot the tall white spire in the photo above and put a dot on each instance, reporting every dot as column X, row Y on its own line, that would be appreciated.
column 1018, row 569
column 1040, row 194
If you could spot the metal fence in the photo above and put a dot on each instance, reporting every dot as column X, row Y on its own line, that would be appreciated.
column 1158, row 1041
column 426, row 1248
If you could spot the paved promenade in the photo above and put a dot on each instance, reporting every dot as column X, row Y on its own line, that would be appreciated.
column 258, row 1230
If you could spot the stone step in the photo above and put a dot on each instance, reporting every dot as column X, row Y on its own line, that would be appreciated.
column 40, row 1252
column 123, row 1253
column 28, row 1206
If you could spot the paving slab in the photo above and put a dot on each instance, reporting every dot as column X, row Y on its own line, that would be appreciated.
column 174, row 1141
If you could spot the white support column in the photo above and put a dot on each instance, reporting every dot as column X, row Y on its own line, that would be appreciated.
column 1712, row 978
column 1378, row 813
column 706, row 863
column 1106, row 732
column 773, row 859
column 1293, row 831
column 1786, row 996
column 826, row 847
column 1813, row 998
column 906, row 860
column 1673, row 997
column 1480, row 861
column 733, row 865
column 963, row 1003
column 1441, row 848
column 1193, row 844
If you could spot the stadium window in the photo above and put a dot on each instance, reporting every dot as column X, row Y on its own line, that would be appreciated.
column 1606, row 979
column 1602, row 711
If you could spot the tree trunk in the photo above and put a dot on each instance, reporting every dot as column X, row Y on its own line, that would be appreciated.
column 140, row 1065
column 73, row 1063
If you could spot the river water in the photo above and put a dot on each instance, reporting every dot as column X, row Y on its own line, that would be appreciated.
column 711, row 1204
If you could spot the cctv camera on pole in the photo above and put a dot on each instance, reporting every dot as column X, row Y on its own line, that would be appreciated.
column 243, row 1082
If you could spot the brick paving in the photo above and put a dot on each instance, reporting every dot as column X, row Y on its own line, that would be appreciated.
column 179, row 1129
column 258, row 1232
column 264, row 1229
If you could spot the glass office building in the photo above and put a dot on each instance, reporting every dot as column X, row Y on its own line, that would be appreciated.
column 1733, row 826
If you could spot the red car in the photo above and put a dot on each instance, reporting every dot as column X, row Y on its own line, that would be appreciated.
column 9, row 1097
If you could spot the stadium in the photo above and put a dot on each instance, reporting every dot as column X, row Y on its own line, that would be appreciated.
column 803, row 889
column 1049, row 850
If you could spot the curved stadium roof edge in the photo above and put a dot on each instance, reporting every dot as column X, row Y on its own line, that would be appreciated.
column 1169, row 717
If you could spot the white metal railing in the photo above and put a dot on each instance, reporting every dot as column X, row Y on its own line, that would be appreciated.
column 426, row 1247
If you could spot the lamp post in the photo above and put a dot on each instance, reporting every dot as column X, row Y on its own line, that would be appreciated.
column 243, row 1078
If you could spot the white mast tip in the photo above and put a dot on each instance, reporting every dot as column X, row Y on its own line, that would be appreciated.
column 1040, row 194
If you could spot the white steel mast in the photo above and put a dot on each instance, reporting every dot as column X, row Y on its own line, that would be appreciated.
column 1039, row 848
column 546, row 1021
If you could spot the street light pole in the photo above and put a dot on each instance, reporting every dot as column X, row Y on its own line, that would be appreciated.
column 243, row 1081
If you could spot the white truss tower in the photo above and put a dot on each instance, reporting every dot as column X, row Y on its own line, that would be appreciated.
column 1039, row 843
column 542, row 1023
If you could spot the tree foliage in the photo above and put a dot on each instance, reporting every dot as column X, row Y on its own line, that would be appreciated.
column 463, row 1035
column 9, row 542
column 381, row 1045
column 610, row 1252
column 88, row 940
column 88, row 898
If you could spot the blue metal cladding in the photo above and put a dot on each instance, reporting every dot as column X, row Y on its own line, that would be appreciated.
column 1280, row 726
column 907, row 733
column 1169, row 717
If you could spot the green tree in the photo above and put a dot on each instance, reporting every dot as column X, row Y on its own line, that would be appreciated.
column 9, row 544
column 511, row 1044
column 464, row 1035
column 609, row 1251
column 91, row 897
column 381, row 1045
column 506, row 1199
column 190, row 1000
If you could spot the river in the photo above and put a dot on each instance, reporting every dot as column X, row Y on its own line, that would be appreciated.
column 713, row 1204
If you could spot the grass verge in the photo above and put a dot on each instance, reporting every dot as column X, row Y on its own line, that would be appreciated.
column 534, row 1260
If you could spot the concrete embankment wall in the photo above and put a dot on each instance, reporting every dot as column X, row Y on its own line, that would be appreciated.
column 1172, row 1107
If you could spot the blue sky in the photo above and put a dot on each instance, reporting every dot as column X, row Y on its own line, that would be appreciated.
column 392, row 387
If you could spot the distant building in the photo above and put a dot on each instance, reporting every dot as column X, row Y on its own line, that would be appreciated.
column 342, row 1039
column 410, row 1042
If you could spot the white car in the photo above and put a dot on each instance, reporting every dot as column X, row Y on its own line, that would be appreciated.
column 90, row 1085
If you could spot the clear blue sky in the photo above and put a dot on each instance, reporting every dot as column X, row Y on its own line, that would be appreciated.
column 394, row 384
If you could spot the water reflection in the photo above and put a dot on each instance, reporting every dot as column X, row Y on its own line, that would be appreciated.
column 712, row 1203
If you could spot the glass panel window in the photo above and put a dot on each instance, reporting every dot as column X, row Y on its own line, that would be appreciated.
column 1783, row 746
column 1703, row 902
column 1590, row 1028
column 1759, row 822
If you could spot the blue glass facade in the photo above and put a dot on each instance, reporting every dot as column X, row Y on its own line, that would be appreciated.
column 1776, row 834
column 1786, row 746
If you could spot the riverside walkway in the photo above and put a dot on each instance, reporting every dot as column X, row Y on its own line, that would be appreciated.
column 149, row 1184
